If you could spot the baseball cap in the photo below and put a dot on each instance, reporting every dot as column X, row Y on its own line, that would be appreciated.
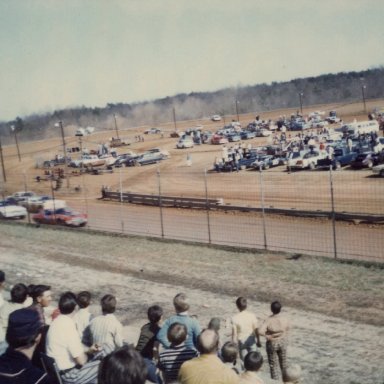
column 23, row 323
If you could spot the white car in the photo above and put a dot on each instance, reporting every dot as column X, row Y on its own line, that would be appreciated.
column 306, row 159
column 216, row 118
column 378, row 170
column 12, row 211
column 185, row 142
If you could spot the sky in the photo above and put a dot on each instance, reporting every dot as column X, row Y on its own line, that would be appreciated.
column 56, row 54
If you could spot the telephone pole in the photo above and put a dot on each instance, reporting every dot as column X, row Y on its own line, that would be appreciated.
column 60, row 124
column 2, row 162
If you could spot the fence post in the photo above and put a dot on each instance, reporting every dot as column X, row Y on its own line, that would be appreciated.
column 121, row 201
column 160, row 204
column 333, row 212
column 207, row 206
column 262, row 205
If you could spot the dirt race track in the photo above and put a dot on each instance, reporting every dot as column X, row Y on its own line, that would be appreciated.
column 354, row 191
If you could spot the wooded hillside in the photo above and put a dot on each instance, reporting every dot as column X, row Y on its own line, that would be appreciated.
column 329, row 88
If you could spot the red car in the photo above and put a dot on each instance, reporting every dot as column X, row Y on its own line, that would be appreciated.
column 61, row 215
column 219, row 139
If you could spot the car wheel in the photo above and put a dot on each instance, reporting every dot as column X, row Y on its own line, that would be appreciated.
column 266, row 166
column 312, row 166
column 337, row 165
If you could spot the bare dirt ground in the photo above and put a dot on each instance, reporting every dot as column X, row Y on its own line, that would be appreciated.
column 337, row 310
column 329, row 303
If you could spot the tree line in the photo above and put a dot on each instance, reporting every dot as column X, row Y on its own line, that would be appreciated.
column 328, row 88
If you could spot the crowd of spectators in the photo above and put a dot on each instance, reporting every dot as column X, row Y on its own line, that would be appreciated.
column 92, row 349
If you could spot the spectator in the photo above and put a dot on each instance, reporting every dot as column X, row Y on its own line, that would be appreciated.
column 181, row 305
column 18, row 297
column 106, row 329
column 244, row 329
column 292, row 374
column 214, row 324
column 122, row 366
column 64, row 345
column 42, row 298
column 252, row 364
column 82, row 317
column 207, row 368
column 147, row 342
column 171, row 359
column 2, row 285
column 275, row 329
column 229, row 355
column 23, row 335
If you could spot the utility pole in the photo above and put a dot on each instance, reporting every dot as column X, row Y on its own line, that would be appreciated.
column 117, row 131
column 301, row 94
column 60, row 124
column 2, row 162
column 237, row 109
column 174, row 117
column 13, row 128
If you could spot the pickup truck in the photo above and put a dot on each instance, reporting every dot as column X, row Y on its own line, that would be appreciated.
column 342, row 156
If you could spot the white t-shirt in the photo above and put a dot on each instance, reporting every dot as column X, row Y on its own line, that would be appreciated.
column 244, row 324
column 63, row 342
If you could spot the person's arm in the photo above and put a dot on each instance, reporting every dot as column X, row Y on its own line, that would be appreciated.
column 235, row 337
column 257, row 335
column 118, row 335
column 162, row 335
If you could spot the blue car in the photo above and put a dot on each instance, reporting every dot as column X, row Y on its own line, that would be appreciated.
column 245, row 135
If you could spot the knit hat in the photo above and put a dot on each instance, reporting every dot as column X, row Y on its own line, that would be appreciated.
column 23, row 323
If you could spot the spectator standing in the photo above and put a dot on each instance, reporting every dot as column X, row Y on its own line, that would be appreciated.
column 245, row 329
column 207, row 368
column 106, row 329
column 181, row 305
column 171, row 359
column 23, row 335
column 123, row 366
column 275, row 329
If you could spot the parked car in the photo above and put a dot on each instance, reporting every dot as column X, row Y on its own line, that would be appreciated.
column 263, row 132
column 305, row 159
column 147, row 158
column 22, row 196
column 366, row 160
column 11, row 211
column 342, row 156
column 57, row 212
column 216, row 118
column 378, row 170
column 185, row 142
column 246, row 135
column 152, row 131
column 267, row 161
column 35, row 203
column 218, row 139
column 233, row 137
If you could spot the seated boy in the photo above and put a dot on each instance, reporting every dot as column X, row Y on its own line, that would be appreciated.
column 171, row 359
column 229, row 355
column 252, row 364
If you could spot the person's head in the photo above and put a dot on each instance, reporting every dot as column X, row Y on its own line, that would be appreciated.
column 154, row 313
column 241, row 303
column 19, row 293
column 83, row 299
column 123, row 366
column 41, row 294
column 24, row 329
column 180, row 302
column 208, row 341
column 177, row 333
column 229, row 352
column 67, row 303
column 253, row 361
column 214, row 324
column 108, row 304
column 275, row 307
column 292, row 374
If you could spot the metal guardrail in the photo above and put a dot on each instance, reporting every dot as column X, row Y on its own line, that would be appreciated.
column 218, row 204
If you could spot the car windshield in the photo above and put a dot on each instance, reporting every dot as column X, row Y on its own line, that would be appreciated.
column 310, row 154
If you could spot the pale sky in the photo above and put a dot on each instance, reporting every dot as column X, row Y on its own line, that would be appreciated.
column 62, row 53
